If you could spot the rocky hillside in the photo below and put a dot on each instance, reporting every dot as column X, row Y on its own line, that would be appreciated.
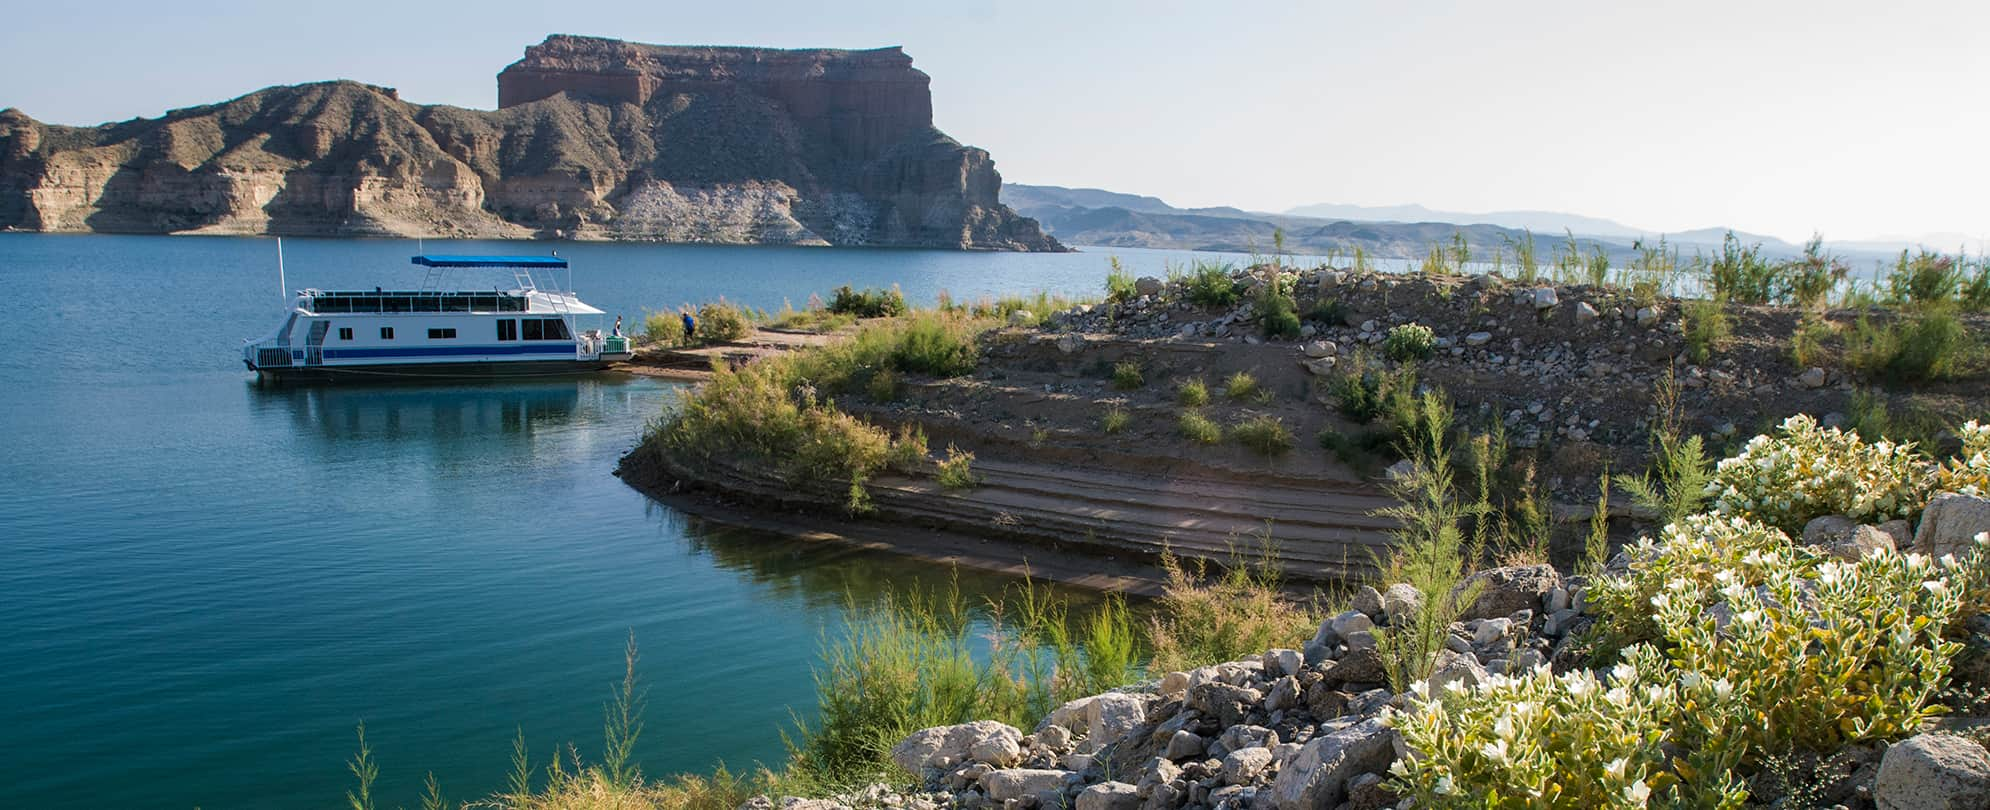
column 594, row 139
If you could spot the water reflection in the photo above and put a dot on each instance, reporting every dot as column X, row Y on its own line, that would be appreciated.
column 434, row 412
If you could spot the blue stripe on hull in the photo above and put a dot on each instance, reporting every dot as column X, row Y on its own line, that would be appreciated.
column 390, row 372
column 419, row 352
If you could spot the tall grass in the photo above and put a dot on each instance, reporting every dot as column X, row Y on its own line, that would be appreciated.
column 1707, row 328
column 868, row 303
column 1526, row 264
column 1740, row 273
column 1206, row 617
column 1208, row 284
column 1119, row 283
column 1265, row 434
column 1193, row 393
column 1917, row 347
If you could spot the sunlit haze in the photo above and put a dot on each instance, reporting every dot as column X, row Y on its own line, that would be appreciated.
column 1856, row 120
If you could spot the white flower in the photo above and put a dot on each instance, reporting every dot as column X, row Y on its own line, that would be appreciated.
column 1616, row 768
column 1624, row 671
column 1444, row 786
column 1504, row 727
column 1638, row 792
column 1936, row 587
column 1495, row 750
column 1722, row 688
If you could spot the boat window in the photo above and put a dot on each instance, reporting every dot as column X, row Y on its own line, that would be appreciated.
column 386, row 333
column 556, row 329
column 441, row 334
column 534, row 330
column 345, row 333
column 507, row 329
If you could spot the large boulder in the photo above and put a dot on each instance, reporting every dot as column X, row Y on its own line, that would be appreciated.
column 943, row 747
column 1933, row 772
column 1228, row 704
column 1951, row 523
column 1102, row 718
column 1316, row 779
column 1508, row 590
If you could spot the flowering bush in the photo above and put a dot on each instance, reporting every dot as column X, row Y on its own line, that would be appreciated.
column 1969, row 472
column 1851, row 653
column 1807, row 471
column 1575, row 741
column 1703, row 550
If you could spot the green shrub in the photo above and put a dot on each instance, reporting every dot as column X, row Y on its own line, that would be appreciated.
column 1707, row 329
column 956, row 471
column 1126, row 375
column 1808, row 280
column 1924, row 278
column 1930, row 344
column 663, row 328
column 1209, row 284
column 749, row 415
column 1807, row 344
column 1741, row 274
column 1360, row 450
column 1265, row 434
column 1115, row 420
column 1200, row 429
column 935, row 345
column 720, row 322
column 908, row 449
column 1808, row 471
column 1363, row 392
column 1193, row 393
column 1409, row 341
column 1330, row 311
column 1428, row 547
column 1527, row 264
column 1968, row 472
column 1278, row 315
column 1241, row 386
column 1120, row 286
column 868, row 303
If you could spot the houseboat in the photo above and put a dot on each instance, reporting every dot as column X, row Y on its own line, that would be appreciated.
column 529, row 330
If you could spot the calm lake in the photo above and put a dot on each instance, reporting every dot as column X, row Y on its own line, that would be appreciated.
column 206, row 584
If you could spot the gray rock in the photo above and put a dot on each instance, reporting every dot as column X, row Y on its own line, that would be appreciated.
column 1401, row 602
column 1359, row 665
column 1647, row 316
column 1361, row 640
column 1901, row 531
column 1350, row 622
column 1146, row 285
column 1317, row 777
column 1242, row 766
column 1369, row 601
column 1321, row 348
column 1508, row 590
column 946, row 746
column 1812, row 377
column 1845, row 538
column 1056, row 738
column 1183, row 745
column 1015, row 783
column 1933, row 772
column 1454, row 667
column 1070, row 342
column 1022, row 317
column 1157, row 772
column 1584, row 313
column 1491, row 631
column 1951, row 523
column 1559, row 622
column 1545, row 298
column 1109, row 796
column 1283, row 662
column 1228, row 704
column 1478, row 338
column 1284, row 694
column 998, row 750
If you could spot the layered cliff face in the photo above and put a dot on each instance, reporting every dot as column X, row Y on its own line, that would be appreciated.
column 594, row 139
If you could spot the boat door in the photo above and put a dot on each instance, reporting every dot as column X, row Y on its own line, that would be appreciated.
column 314, row 344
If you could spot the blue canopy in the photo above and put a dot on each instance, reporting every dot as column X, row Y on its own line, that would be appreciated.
column 537, row 262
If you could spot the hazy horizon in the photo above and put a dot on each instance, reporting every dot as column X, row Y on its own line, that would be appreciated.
column 1778, row 118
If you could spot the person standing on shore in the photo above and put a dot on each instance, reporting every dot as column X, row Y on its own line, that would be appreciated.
column 690, row 325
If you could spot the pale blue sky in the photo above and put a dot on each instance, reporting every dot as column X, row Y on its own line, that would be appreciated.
column 1857, row 119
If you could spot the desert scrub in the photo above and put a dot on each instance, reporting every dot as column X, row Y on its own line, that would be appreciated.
column 1265, row 434
column 1806, row 471
column 1204, row 618
column 1241, row 387
column 1193, row 393
column 1968, row 472
column 1924, row 278
column 1120, row 284
column 1126, row 375
column 883, row 386
column 1929, row 344
column 1409, row 341
column 908, row 449
column 868, row 303
column 1428, row 549
column 1702, row 551
column 1707, row 328
column 1330, row 311
column 1198, row 428
column 663, row 328
column 749, row 415
column 1278, row 312
column 1115, row 420
column 721, row 322
column 956, row 471
column 1807, row 343
column 1362, row 391
column 1209, row 284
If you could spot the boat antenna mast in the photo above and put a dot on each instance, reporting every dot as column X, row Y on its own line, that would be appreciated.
column 282, row 286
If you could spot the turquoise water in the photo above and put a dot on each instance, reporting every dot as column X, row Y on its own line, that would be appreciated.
column 205, row 583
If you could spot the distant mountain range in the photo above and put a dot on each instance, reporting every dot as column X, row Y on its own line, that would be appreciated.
column 1090, row 216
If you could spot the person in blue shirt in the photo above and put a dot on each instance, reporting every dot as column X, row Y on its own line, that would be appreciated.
column 690, row 326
